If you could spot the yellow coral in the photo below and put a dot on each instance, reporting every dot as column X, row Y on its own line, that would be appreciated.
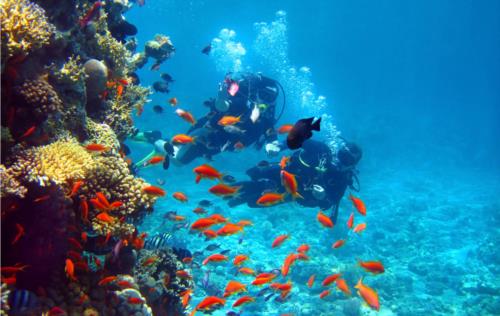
column 72, row 71
column 102, row 134
column 115, row 52
column 59, row 162
column 24, row 26
column 9, row 184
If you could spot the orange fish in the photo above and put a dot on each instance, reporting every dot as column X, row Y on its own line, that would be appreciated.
column 339, row 243
column 96, row 147
column 279, row 240
column 84, row 237
column 302, row 256
column 289, row 181
column 156, row 160
column 107, row 280
column 239, row 259
column 284, row 162
column 42, row 198
column 289, row 260
column 186, row 297
column 350, row 221
column 199, row 210
column 282, row 286
column 243, row 300
column 218, row 218
column 244, row 223
column 119, row 91
column 310, row 282
column 154, row 191
column 28, row 132
column 229, row 229
column 98, row 205
column 368, row 294
column 10, row 280
column 358, row 204
column 215, row 258
column 234, row 287
column 210, row 234
column 239, row 146
column 115, row 204
column 102, row 199
column 14, row 269
column 70, row 269
column 262, row 281
column 135, row 300
column 76, row 186
column 266, row 275
column 330, row 279
column 208, row 303
column 324, row 220
column 203, row 223
column 125, row 284
column 206, row 171
column 303, row 248
column 104, row 217
column 229, row 120
column 149, row 261
column 324, row 294
column 342, row 285
column 222, row 189
column 180, row 196
column 285, row 128
column 183, row 274
column 375, row 267
column 123, row 81
column 19, row 234
column 173, row 101
column 359, row 228
column 269, row 199
column 187, row 260
column 246, row 271
column 182, row 139
column 177, row 218
column 188, row 117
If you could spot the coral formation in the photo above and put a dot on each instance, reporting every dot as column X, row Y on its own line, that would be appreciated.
column 19, row 37
column 9, row 184
column 39, row 96
column 161, row 48
column 102, row 134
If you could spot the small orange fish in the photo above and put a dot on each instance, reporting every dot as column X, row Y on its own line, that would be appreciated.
column 358, row 204
column 84, row 208
column 282, row 286
column 156, row 160
column 182, row 139
column 229, row 120
column 218, row 218
column 303, row 248
column 289, row 181
column 222, row 189
column 98, row 205
column 246, row 271
column 279, row 240
column 180, row 196
column 269, row 199
column 368, row 294
column 208, row 303
column 239, row 146
column 239, row 259
column 96, row 147
column 229, row 229
column 284, row 162
column 105, row 217
column 342, row 285
column 350, row 221
column 243, row 300
column 206, row 171
column 310, row 282
column 154, row 191
column 234, row 287
column 324, row 294
column 183, row 274
column 262, row 281
column 70, row 269
column 187, row 260
column 42, row 198
column 119, row 91
column 173, row 101
column 135, row 300
column 214, row 258
column 324, row 220
column 76, row 186
column 188, row 117
column 289, row 261
column 375, row 267
column 203, row 223
column 28, row 132
column 210, row 234
column 199, row 210
column 84, row 236
column 285, row 128
column 359, row 228
column 244, row 223
column 115, row 204
column 125, row 284
column 9, row 280
column 186, row 297
column 107, row 280
column 330, row 279
column 14, row 269
column 177, row 218
column 149, row 261
column 339, row 243
column 103, row 199
column 19, row 234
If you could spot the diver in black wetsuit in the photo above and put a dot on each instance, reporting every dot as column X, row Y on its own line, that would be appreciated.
column 322, row 176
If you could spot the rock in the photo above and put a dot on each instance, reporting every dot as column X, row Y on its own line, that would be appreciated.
column 97, row 75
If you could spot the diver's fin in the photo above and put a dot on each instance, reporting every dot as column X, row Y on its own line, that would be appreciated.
column 315, row 126
column 166, row 162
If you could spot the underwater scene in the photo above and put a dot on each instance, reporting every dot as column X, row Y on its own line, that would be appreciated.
column 203, row 157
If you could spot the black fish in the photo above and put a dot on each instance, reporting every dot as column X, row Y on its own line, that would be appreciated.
column 157, row 241
column 228, row 178
column 156, row 66
column 205, row 203
column 223, row 252
column 207, row 49
column 22, row 301
column 301, row 131
column 161, row 86
column 134, row 78
column 166, row 77
column 158, row 109
column 263, row 164
column 166, row 162
column 212, row 247
column 125, row 149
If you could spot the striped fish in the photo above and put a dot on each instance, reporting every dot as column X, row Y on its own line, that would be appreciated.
column 22, row 301
column 158, row 241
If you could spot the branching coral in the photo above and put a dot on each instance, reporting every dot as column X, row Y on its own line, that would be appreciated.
column 59, row 162
column 24, row 27
column 71, row 72
column 101, row 134
column 9, row 184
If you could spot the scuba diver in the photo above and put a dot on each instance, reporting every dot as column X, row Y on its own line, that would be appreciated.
column 322, row 176
column 250, row 96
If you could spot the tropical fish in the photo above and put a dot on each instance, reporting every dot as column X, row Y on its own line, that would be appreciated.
column 182, row 139
column 92, row 14
column 310, row 282
column 156, row 160
column 187, row 260
column 158, row 241
column 149, row 261
column 358, row 204
column 210, row 234
column 96, row 147
column 42, row 198
column 339, row 243
column 208, row 303
column 105, row 217
column 154, row 191
column 107, row 280
column 135, row 300
column 20, row 232
column 229, row 120
column 218, row 218
column 247, row 271
column 206, row 50
column 239, row 259
column 165, row 76
column 160, row 86
column 158, row 109
column 28, row 132
column 21, row 302
column 244, row 223
column 324, row 220
column 188, row 117
column 70, row 269
column 301, row 131
column 279, row 240
column 262, row 280
column 271, row 198
column 156, row 66
column 350, row 221
column 284, row 161
column 180, row 196
column 342, row 285
column 359, row 228
column 375, row 267
column 238, row 146
column 186, row 297
column 76, row 186
column 183, row 274
column 229, row 229
column 215, row 258
column 222, row 189
column 206, row 171
column 368, row 294
column 75, row 243
column 285, row 128
column 203, row 223
column 243, row 300
column 324, row 294
column 199, row 210
column 13, row 269
column 173, row 101
column 289, row 261
column 234, row 287
column 303, row 248
column 330, row 279
column 289, row 181
column 234, row 129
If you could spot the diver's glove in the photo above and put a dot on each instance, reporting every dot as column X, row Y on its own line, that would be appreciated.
column 273, row 149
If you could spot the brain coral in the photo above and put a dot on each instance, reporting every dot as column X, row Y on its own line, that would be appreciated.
column 39, row 96
column 24, row 27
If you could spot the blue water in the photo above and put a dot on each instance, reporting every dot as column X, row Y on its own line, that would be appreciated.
column 416, row 84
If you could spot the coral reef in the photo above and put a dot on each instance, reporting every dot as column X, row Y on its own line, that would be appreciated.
column 39, row 97
column 9, row 184
column 161, row 48
column 19, row 37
